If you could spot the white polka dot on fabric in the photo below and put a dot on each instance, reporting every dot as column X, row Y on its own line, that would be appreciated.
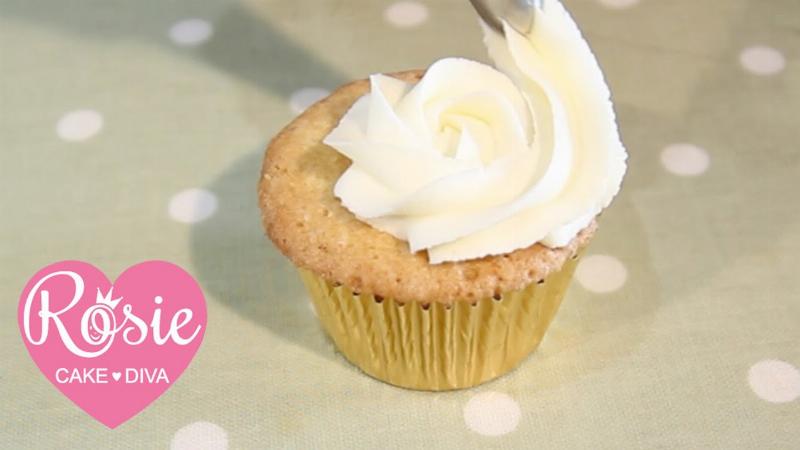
column 492, row 414
column 192, row 205
column 190, row 32
column 618, row 4
column 200, row 436
column 79, row 125
column 601, row 273
column 406, row 14
column 305, row 97
column 762, row 60
column 774, row 381
column 685, row 159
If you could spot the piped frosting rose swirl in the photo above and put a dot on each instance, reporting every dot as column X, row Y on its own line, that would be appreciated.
column 474, row 161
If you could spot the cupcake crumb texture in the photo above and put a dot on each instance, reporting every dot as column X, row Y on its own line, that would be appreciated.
column 311, row 227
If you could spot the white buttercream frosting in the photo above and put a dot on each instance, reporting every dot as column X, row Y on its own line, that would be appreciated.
column 474, row 161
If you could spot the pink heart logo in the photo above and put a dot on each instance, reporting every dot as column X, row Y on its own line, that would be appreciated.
column 112, row 349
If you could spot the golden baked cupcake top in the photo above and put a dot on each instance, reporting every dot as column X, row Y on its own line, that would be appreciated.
column 312, row 228
column 460, row 183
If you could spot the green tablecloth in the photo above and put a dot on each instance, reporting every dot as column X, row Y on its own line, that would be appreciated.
column 129, row 133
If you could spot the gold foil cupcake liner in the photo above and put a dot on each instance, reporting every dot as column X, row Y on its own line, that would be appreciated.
column 436, row 346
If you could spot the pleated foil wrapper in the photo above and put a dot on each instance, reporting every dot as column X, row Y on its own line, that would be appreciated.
column 436, row 346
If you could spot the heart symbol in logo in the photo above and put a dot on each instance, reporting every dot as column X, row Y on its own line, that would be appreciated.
column 112, row 349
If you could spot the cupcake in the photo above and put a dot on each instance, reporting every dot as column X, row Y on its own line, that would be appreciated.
column 436, row 216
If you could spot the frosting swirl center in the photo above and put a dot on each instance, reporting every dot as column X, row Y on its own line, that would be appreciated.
column 474, row 161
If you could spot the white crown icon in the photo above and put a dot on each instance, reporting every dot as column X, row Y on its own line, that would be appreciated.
column 106, row 299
